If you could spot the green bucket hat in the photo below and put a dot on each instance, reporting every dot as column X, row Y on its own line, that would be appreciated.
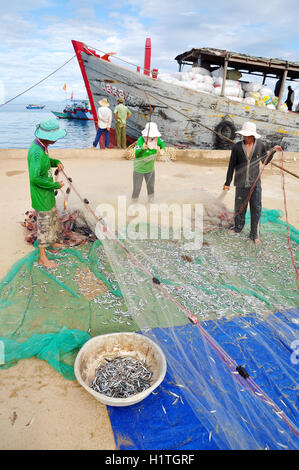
column 48, row 129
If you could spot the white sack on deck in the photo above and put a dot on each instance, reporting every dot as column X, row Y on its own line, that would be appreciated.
column 218, row 72
column 201, row 71
column 253, row 86
column 229, row 91
column 266, row 91
column 228, row 83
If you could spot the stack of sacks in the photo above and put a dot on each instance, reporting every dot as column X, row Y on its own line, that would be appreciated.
column 252, row 95
column 198, row 79
column 218, row 73
column 233, row 89
column 260, row 95
column 251, row 87
column 169, row 78
column 283, row 106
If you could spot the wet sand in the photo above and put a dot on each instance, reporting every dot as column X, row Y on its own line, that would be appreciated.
column 38, row 408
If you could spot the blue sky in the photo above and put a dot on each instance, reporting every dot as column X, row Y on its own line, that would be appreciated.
column 35, row 36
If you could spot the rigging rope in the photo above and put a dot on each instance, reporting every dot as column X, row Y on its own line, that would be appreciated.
column 114, row 56
column 40, row 81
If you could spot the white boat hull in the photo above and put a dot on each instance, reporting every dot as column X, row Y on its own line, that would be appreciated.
column 177, row 110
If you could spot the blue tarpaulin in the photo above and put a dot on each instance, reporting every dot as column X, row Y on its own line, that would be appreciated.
column 165, row 422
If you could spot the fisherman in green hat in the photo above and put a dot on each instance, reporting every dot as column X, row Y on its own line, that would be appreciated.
column 42, row 186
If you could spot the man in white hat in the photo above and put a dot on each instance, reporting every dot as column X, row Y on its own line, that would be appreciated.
column 144, row 164
column 244, row 161
column 104, row 122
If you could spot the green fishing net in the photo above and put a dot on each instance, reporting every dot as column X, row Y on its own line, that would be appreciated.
column 51, row 313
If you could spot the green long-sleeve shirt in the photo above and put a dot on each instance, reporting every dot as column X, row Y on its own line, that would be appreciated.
column 145, row 159
column 42, row 185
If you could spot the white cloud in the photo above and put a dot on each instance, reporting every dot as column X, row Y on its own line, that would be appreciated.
column 32, row 50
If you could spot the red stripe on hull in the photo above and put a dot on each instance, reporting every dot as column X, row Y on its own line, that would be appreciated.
column 79, row 47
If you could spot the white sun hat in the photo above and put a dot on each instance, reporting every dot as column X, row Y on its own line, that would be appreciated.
column 249, row 128
column 104, row 102
column 151, row 130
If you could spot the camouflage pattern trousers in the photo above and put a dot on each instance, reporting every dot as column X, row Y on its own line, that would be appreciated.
column 47, row 227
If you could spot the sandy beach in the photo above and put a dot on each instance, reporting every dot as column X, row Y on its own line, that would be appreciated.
column 38, row 408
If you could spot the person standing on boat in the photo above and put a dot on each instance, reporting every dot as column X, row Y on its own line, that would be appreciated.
column 42, row 186
column 147, row 146
column 244, row 161
column 121, row 114
column 104, row 122
column 290, row 99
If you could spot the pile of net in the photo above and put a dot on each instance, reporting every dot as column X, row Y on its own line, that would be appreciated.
column 74, row 230
column 97, row 289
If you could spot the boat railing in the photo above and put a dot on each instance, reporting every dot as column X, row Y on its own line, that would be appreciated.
column 146, row 70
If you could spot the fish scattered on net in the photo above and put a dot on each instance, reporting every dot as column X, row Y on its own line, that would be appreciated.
column 121, row 377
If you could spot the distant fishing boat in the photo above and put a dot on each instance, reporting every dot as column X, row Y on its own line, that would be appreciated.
column 35, row 106
column 76, row 109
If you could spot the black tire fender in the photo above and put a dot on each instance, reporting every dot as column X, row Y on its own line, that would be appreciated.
column 228, row 130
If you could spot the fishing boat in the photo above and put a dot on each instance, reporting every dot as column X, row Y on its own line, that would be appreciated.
column 35, row 106
column 186, row 117
column 75, row 109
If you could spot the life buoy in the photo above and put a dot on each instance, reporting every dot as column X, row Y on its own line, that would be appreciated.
column 228, row 130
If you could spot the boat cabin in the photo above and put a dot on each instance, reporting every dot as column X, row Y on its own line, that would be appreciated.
column 211, row 59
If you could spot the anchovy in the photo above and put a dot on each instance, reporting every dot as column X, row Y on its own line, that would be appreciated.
column 121, row 377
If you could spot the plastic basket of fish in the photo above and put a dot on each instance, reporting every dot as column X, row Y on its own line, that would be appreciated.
column 120, row 369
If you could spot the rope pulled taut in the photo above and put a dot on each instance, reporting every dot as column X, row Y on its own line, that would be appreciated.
column 40, row 81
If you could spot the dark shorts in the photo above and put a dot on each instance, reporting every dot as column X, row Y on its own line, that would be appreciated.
column 255, row 204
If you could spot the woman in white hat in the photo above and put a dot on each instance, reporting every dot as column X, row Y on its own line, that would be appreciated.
column 144, row 164
column 104, row 122
column 244, row 161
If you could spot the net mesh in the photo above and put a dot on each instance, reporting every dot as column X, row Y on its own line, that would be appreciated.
column 97, row 289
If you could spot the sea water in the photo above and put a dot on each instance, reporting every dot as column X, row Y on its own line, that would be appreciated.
column 18, row 124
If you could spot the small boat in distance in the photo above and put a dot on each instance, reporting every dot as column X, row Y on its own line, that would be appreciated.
column 76, row 109
column 35, row 106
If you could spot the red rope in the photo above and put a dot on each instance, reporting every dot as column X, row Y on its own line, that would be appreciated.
column 285, row 207
column 287, row 219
